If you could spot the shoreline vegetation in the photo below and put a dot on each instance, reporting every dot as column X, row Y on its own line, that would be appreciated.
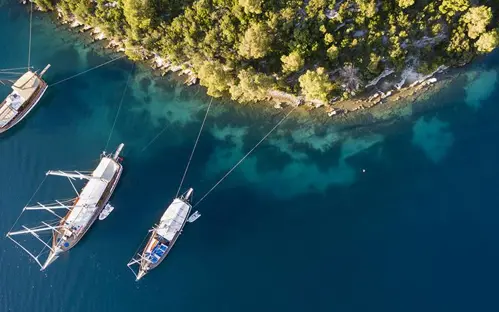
column 342, row 55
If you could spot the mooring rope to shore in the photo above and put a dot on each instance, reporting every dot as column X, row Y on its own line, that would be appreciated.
column 194, row 147
column 30, row 27
column 155, row 138
column 120, row 105
column 86, row 71
column 245, row 156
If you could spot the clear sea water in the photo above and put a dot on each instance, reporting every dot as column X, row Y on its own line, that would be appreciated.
column 393, row 213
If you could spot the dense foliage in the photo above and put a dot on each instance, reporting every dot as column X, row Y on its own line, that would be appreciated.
column 317, row 48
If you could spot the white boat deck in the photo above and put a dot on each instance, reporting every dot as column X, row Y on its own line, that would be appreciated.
column 7, row 112
column 26, row 85
column 173, row 219
column 86, row 206
column 23, row 90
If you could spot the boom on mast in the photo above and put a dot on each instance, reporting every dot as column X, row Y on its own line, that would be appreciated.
column 50, row 228
column 70, row 174
column 46, row 227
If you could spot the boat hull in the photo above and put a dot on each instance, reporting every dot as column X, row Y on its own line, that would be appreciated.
column 28, row 107
column 146, row 266
column 102, row 203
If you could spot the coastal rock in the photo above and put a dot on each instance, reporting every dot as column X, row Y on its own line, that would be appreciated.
column 332, row 113
column 372, row 97
column 97, row 33
column 191, row 80
column 385, row 95
column 175, row 68
column 317, row 103
column 75, row 23
column 384, row 74
column 285, row 97
column 161, row 63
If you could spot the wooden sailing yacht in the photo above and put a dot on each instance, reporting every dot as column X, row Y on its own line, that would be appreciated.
column 82, row 211
column 26, row 93
column 163, row 236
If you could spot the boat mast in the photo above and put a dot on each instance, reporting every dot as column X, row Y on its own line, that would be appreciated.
column 44, row 227
column 34, row 232
column 48, row 208
column 74, row 175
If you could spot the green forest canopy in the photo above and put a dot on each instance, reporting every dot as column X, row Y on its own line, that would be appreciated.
column 316, row 48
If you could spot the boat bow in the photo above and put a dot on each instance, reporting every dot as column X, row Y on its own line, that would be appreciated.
column 54, row 254
column 140, row 275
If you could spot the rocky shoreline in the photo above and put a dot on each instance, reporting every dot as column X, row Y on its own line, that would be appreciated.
column 405, row 89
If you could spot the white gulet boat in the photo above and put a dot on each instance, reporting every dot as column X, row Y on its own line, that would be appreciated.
column 26, row 93
column 82, row 211
column 163, row 236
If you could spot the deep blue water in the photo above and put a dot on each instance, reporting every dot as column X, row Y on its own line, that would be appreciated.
column 298, row 227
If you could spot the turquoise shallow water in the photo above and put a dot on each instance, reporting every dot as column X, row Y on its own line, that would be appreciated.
column 299, row 226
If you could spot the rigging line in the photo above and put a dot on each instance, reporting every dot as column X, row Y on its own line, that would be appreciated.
column 141, row 244
column 10, row 73
column 43, row 249
column 245, row 156
column 194, row 148
column 32, row 196
column 121, row 104
column 17, row 68
column 30, row 26
column 155, row 138
column 86, row 71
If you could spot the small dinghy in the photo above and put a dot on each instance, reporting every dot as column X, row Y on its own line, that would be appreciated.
column 106, row 212
column 194, row 217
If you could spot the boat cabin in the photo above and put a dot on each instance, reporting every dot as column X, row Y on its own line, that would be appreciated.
column 157, row 249
column 22, row 90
